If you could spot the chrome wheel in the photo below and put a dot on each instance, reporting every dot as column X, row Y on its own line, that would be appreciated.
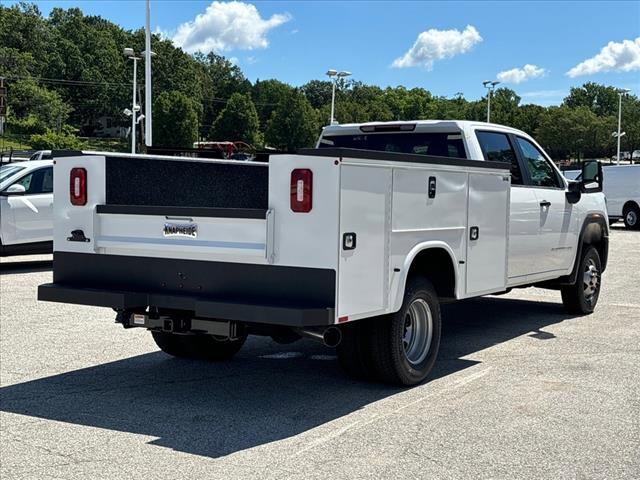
column 591, row 281
column 631, row 218
column 418, row 331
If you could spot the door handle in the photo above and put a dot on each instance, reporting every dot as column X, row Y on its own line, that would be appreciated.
column 545, row 203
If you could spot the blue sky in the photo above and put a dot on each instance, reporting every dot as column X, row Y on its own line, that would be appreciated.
column 463, row 43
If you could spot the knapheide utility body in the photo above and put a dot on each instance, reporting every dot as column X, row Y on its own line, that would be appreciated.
column 355, row 242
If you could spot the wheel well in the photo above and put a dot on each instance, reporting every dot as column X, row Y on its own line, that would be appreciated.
column 628, row 206
column 436, row 265
column 594, row 234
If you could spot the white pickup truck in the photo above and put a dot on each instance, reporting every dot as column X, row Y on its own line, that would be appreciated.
column 354, row 243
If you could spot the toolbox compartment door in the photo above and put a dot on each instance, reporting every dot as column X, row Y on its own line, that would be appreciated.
column 488, row 216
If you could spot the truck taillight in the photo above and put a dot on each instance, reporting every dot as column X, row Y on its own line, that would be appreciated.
column 78, row 186
column 301, row 190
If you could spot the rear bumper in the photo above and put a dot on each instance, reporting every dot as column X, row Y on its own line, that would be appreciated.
column 266, row 314
column 267, row 294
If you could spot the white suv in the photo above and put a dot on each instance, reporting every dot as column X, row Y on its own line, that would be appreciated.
column 26, row 204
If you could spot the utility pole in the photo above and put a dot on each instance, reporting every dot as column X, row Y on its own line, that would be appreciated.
column 621, row 92
column 147, row 77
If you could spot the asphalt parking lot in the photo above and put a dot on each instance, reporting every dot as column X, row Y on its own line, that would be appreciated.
column 521, row 390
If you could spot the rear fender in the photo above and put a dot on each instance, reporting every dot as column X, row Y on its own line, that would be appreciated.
column 398, row 292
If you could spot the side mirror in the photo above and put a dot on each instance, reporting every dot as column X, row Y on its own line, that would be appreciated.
column 574, row 192
column 591, row 178
column 15, row 189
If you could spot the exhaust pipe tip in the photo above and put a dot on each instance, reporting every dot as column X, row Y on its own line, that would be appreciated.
column 332, row 337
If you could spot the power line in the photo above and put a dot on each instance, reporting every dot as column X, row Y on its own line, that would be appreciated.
column 88, row 83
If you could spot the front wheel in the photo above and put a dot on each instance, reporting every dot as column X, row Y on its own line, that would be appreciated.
column 582, row 296
column 201, row 347
column 404, row 345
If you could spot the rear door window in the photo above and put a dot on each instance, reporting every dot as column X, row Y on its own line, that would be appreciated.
column 496, row 147
column 38, row 181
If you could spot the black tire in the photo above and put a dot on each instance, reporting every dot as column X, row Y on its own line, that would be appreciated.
column 631, row 217
column 354, row 352
column 582, row 296
column 201, row 347
column 396, row 360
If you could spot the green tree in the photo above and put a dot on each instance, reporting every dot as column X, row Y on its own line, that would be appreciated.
column 53, row 140
column 237, row 121
column 175, row 120
column 293, row 125
column 267, row 95
column 31, row 104
column 600, row 99
column 569, row 132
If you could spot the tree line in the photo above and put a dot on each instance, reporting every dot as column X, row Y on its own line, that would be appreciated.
column 66, row 71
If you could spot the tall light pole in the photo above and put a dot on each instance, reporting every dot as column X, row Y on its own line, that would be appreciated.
column 490, row 85
column 334, row 75
column 619, row 134
column 147, row 77
column 128, row 52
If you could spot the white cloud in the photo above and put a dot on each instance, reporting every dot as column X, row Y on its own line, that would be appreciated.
column 616, row 57
column 435, row 45
column 519, row 75
column 227, row 26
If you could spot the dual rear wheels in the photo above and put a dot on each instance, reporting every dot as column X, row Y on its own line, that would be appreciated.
column 399, row 348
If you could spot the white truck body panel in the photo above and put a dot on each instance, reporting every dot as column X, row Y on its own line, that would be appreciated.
column 384, row 201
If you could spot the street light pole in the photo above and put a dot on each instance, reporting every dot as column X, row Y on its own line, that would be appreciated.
column 128, row 52
column 489, row 85
column 133, row 115
column 147, row 78
column 334, row 75
column 619, row 135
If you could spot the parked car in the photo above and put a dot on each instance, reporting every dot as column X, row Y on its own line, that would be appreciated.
column 354, row 243
column 41, row 155
column 26, row 205
column 622, row 191
column 635, row 155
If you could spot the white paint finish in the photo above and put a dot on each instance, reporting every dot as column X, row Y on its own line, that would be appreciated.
column 305, row 239
column 488, row 210
column 26, row 218
column 523, row 231
column 224, row 238
column 412, row 209
column 67, row 217
column 364, row 204
column 621, row 184
column 405, row 246
column 558, row 231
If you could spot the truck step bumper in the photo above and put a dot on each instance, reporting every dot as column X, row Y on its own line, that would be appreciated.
column 294, row 316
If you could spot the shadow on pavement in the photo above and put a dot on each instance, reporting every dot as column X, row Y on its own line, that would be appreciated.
column 25, row 267
column 217, row 409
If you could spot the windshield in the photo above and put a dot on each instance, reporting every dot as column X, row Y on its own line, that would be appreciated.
column 7, row 171
column 441, row 144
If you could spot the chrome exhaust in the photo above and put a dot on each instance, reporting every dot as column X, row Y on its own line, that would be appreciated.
column 329, row 337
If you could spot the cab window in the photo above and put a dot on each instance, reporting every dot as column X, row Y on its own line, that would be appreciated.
column 541, row 173
column 496, row 147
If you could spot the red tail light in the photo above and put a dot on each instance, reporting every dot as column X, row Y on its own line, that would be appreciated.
column 301, row 190
column 78, row 186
